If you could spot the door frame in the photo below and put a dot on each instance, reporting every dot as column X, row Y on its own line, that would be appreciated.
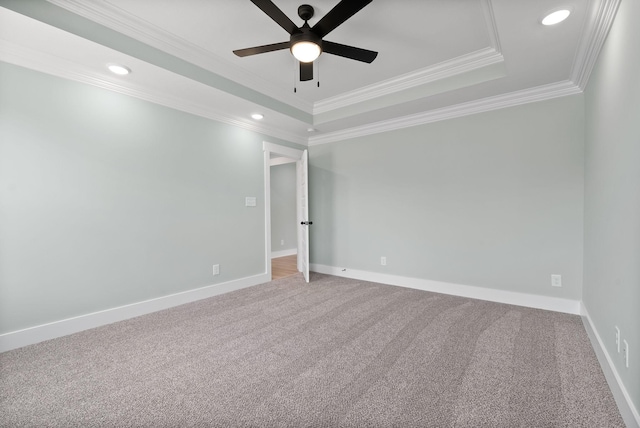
column 287, row 154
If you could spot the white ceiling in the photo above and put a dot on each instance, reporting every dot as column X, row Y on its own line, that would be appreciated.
column 437, row 59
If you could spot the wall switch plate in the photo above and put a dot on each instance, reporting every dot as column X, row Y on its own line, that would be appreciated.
column 383, row 261
column 617, row 338
column 250, row 201
column 625, row 353
column 282, row 242
column 216, row 269
column 556, row 280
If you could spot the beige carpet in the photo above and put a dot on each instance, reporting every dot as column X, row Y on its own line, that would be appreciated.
column 336, row 352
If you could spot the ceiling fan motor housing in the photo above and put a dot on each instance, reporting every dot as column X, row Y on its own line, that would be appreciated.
column 305, row 12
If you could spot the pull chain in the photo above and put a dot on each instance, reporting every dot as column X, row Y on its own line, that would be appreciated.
column 318, row 70
column 295, row 80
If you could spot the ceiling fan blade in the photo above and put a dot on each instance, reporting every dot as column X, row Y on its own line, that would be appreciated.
column 277, row 15
column 306, row 71
column 350, row 52
column 336, row 16
column 262, row 49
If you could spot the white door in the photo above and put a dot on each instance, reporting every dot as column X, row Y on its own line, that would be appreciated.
column 303, row 215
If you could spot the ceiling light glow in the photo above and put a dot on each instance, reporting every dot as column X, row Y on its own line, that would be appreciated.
column 257, row 116
column 306, row 51
column 556, row 17
column 118, row 69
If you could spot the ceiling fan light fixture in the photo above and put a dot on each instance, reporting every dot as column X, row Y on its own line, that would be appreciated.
column 306, row 51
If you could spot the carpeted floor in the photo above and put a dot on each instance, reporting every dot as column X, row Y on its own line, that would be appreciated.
column 336, row 352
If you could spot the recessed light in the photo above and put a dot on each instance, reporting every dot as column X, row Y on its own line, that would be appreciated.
column 118, row 69
column 556, row 17
column 257, row 116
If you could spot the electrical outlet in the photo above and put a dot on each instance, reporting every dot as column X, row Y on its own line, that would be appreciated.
column 216, row 269
column 625, row 353
column 556, row 280
column 617, row 338
column 383, row 261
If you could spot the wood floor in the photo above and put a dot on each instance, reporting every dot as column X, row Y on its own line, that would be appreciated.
column 284, row 266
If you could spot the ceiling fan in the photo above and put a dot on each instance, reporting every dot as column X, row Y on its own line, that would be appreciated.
column 306, row 43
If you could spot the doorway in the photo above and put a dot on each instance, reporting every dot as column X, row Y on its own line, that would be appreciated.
column 283, row 154
column 284, row 230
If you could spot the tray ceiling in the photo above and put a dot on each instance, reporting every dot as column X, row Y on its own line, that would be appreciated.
column 437, row 59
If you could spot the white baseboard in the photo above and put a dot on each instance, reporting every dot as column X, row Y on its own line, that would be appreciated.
column 628, row 411
column 29, row 336
column 501, row 296
column 284, row 253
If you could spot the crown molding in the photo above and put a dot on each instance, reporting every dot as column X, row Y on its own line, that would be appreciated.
column 443, row 70
column 492, row 28
column 462, row 64
column 593, row 37
column 117, row 19
column 539, row 93
column 56, row 66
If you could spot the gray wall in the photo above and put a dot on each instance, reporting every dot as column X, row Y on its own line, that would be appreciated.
column 612, row 193
column 107, row 200
column 492, row 200
column 283, row 207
